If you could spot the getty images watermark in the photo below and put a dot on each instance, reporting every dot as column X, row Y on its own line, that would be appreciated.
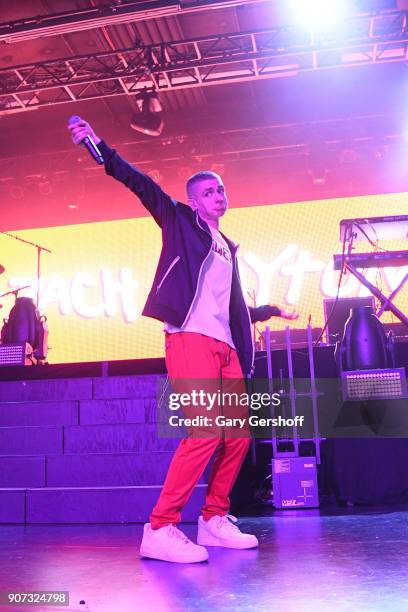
column 212, row 402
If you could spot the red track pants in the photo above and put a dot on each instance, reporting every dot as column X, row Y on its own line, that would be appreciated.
column 192, row 356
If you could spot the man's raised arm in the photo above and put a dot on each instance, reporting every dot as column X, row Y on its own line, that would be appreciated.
column 158, row 203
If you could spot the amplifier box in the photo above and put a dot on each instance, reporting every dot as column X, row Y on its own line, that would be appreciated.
column 294, row 481
column 18, row 353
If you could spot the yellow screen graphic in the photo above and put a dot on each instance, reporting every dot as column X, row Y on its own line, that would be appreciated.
column 95, row 282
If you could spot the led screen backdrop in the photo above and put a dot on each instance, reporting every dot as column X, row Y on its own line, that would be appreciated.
column 95, row 282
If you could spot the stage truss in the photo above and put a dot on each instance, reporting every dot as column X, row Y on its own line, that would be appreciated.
column 211, row 60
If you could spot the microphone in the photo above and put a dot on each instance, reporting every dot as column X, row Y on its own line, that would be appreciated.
column 89, row 143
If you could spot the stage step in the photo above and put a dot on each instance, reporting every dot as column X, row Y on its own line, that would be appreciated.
column 107, row 387
column 75, row 412
column 119, row 438
column 12, row 505
column 128, row 386
column 111, row 411
column 52, row 413
column 40, row 390
column 83, row 450
column 105, row 470
column 31, row 440
column 22, row 471
column 101, row 504
column 88, row 505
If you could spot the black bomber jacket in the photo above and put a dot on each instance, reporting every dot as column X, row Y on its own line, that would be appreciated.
column 186, row 245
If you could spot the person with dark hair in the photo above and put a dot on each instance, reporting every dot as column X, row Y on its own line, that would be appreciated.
column 197, row 294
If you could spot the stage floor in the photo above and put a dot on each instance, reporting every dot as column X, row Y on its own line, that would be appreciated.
column 307, row 561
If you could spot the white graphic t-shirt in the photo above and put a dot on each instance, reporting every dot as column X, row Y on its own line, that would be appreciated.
column 209, row 314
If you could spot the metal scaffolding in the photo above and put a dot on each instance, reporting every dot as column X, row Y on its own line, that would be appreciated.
column 240, row 56
column 112, row 13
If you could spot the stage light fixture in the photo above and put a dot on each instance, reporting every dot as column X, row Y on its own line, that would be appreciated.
column 318, row 171
column 44, row 185
column 317, row 164
column 16, row 191
column 318, row 15
column 149, row 120
column 388, row 383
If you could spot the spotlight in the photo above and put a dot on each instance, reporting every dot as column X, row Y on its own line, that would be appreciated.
column 149, row 121
column 317, row 162
column 16, row 191
column 319, row 14
column 318, row 174
column 44, row 186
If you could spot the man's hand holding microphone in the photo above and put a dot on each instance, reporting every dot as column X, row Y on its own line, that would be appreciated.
column 82, row 133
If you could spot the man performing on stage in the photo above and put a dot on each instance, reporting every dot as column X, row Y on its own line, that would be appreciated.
column 197, row 293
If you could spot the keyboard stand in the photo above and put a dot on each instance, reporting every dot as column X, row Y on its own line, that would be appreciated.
column 386, row 302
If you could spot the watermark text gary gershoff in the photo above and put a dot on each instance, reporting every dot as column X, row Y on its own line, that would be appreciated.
column 204, row 399
column 254, row 420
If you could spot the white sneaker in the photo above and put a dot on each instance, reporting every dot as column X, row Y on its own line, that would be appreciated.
column 170, row 544
column 221, row 531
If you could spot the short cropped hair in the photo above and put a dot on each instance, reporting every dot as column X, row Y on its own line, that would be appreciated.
column 204, row 175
